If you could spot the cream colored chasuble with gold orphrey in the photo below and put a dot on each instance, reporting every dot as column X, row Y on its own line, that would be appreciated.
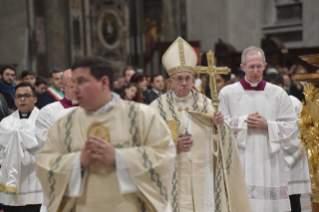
column 145, row 143
column 197, row 182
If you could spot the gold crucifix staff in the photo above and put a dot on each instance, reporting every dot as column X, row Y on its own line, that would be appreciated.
column 211, row 70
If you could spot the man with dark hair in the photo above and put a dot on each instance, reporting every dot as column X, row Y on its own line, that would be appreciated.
column 113, row 151
column 8, row 74
column 53, row 93
column 157, row 84
column 222, row 80
column 28, row 76
column 21, row 188
column 128, row 72
column 296, row 163
column 40, row 87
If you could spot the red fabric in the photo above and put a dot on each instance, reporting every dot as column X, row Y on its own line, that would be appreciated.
column 260, row 87
column 197, row 53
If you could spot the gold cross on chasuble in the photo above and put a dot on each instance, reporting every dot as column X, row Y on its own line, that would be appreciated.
column 212, row 70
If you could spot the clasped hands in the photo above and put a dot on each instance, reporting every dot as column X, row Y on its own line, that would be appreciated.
column 256, row 121
column 97, row 149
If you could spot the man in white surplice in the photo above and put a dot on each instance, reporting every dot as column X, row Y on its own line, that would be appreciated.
column 263, row 120
column 20, row 189
column 296, row 163
column 52, row 112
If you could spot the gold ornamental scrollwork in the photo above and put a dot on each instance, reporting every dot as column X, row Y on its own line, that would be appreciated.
column 309, row 135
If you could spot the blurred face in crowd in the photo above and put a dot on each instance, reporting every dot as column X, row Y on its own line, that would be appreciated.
column 301, row 71
column 128, row 74
column 68, row 84
column 24, row 99
column 56, row 80
column 30, row 79
column 41, row 88
column 115, row 84
column 130, row 93
column 286, row 81
column 204, row 81
column 91, row 93
column 8, row 76
column 142, row 85
column 220, row 82
column 181, row 83
column 254, row 67
column 158, row 83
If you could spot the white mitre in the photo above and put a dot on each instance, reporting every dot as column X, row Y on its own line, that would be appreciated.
column 180, row 56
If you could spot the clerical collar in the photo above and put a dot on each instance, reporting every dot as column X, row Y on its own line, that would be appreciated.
column 107, row 107
column 260, row 86
column 182, row 99
column 67, row 103
column 24, row 115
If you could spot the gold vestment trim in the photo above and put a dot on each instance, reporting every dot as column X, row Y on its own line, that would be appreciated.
column 177, row 69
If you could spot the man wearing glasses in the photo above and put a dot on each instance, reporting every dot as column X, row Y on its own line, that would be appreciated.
column 20, row 189
column 263, row 121
column 197, row 185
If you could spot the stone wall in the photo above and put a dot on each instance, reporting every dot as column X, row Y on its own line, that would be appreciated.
column 13, row 33
column 243, row 23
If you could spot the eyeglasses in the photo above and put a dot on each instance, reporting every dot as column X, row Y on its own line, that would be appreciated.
column 26, row 96
column 252, row 67
column 181, row 80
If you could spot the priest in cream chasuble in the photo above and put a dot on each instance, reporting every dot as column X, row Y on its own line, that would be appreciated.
column 108, row 154
column 198, row 182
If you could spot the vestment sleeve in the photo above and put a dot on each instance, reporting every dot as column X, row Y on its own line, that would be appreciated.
column 237, row 124
column 42, row 125
column 148, row 162
column 282, row 130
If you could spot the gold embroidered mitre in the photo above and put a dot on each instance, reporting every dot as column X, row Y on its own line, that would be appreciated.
column 180, row 56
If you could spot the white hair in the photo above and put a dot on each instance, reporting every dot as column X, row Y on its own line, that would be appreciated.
column 251, row 50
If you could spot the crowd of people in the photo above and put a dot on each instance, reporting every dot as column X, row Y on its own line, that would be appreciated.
column 56, row 155
column 135, row 86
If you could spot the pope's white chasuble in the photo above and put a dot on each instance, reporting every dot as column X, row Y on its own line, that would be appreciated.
column 197, row 182
column 144, row 142
column 261, row 151
column 19, row 185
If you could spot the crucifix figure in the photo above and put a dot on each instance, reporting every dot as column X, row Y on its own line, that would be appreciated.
column 211, row 70
column 186, row 133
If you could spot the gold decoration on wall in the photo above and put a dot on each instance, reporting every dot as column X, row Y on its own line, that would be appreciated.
column 309, row 135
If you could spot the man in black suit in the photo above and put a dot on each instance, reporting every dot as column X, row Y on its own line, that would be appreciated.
column 4, row 109
column 53, row 92
column 157, row 83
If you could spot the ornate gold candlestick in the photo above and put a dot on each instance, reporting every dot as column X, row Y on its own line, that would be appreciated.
column 309, row 127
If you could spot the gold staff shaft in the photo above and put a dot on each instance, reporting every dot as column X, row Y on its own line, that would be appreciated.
column 212, row 70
